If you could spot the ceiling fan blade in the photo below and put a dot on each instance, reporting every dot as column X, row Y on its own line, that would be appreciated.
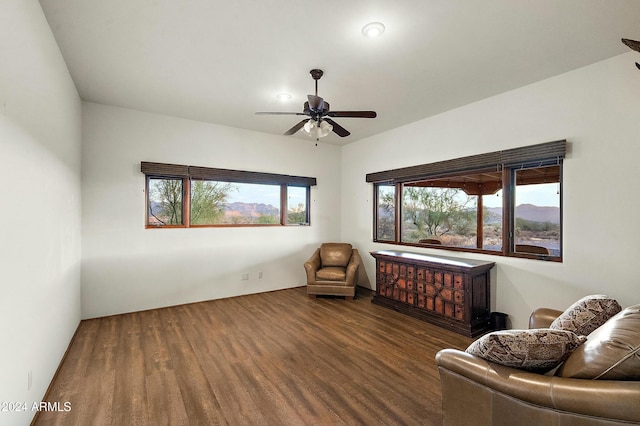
column 353, row 114
column 315, row 102
column 295, row 128
column 281, row 113
column 337, row 129
column 635, row 45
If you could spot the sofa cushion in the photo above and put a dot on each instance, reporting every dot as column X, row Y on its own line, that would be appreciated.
column 612, row 352
column 331, row 273
column 538, row 350
column 586, row 314
column 335, row 254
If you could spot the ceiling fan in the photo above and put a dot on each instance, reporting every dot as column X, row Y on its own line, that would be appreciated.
column 319, row 123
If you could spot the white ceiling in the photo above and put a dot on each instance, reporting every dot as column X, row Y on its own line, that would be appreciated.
column 221, row 61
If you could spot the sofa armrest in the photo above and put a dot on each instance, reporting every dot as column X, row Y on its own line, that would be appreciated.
column 352, row 268
column 608, row 399
column 312, row 265
column 543, row 317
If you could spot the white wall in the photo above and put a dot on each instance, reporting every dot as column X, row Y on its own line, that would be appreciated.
column 127, row 268
column 40, row 129
column 597, row 109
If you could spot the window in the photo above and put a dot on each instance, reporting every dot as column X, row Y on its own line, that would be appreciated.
column 537, row 210
column 209, row 200
column 445, row 214
column 188, row 196
column 165, row 202
column 225, row 203
column 506, row 203
column 297, row 205
column 386, row 212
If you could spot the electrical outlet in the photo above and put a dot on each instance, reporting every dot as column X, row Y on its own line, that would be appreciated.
column 260, row 274
column 245, row 277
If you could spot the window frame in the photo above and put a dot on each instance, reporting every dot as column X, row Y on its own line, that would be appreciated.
column 188, row 174
column 508, row 162
column 285, row 203
column 147, row 202
column 511, row 201
column 376, row 211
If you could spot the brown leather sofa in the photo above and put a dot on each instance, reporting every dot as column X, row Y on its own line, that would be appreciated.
column 480, row 392
column 332, row 270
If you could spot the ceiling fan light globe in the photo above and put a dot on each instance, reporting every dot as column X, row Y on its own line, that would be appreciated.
column 323, row 129
column 326, row 127
column 309, row 127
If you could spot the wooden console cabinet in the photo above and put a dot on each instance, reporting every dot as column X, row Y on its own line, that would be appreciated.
column 449, row 292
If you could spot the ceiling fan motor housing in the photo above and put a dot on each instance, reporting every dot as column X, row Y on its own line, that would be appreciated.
column 315, row 112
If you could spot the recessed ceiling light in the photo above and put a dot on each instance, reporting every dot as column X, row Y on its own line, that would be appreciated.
column 283, row 96
column 373, row 29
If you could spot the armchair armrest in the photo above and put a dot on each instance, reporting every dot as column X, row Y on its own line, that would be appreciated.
column 312, row 265
column 352, row 268
column 543, row 317
column 608, row 399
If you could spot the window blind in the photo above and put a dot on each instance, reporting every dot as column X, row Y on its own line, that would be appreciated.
column 164, row 170
column 494, row 160
column 224, row 175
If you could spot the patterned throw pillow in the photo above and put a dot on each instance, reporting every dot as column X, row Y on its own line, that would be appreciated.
column 587, row 314
column 538, row 350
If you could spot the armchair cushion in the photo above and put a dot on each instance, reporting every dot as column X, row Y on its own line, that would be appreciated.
column 331, row 273
column 612, row 352
column 587, row 314
column 537, row 350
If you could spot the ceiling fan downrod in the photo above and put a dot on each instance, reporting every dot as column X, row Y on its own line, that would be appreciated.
column 316, row 74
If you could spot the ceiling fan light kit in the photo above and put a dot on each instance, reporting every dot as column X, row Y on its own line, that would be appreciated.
column 314, row 130
column 319, row 124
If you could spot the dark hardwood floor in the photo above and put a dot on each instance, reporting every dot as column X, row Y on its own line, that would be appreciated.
column 277, row 358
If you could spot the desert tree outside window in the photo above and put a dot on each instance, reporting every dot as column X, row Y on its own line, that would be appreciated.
column 188, row 197
column 385, row 212
column 164, row 201
column 505, row 203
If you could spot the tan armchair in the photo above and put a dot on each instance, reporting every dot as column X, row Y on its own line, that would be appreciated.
column 332, row 270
